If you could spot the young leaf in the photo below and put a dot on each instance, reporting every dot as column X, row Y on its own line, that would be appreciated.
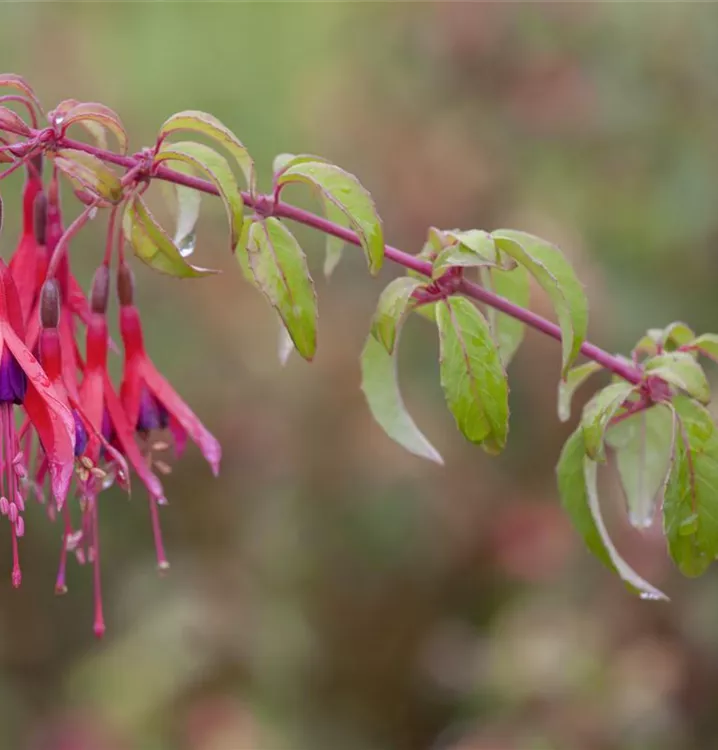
column 280, row 270
column 19, row 84
column 682, row 371
column 347, row 194
column 207, row 160
column 152, row 244
column 690, row 507
column 469, row 249
column 575, row 378
column 13, row 122
column 380, row 387
column 707, row 344
column 675, row 335
column 472, row 376
column 391, row 309
column 553, row 272
column 576, row 475
column 513, row 285
column 89, row 172
column 598, row 413
column 92, row 113
column 207, row 125
column 643, row 444
column 334, row 245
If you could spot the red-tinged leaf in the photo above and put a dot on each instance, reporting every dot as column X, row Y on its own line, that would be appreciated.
column 153, row 245
column 90, row 115
column 90, row 173
column 207, row 161
column 209, row 126
column 19, row 84
column 12, row 122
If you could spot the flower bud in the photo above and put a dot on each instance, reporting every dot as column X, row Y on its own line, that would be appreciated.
column 125, row 285
column 40, row 218
column 50, row 304
column 100, row 291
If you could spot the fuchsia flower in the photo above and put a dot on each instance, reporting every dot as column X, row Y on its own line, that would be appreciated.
column 24, row 383
column 150, row 402
column 76, row 426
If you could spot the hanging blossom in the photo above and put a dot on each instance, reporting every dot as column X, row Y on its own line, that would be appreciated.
column 79, row 432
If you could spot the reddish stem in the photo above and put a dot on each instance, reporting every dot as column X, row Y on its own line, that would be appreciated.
column 615, row 364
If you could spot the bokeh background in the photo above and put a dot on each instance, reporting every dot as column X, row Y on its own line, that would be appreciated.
column 330, row 592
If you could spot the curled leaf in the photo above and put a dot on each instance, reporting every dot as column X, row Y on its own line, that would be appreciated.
column 575, row 378
column 209, row 126
column 554, row 273
column 682, row 371
column 153, row 245
column 280, row 269
column 576, row 474
column 208, row 161
column 381, row 389
column 597, row 414
column 391, row 309
column 96, row 118
column 89, row 172
column 348, row 195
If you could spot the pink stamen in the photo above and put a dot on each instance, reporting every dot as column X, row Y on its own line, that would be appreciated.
column 162, row 562
column 60, row 581
column 99, row 626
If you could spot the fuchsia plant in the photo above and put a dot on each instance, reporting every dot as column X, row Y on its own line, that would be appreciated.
column 78, row 429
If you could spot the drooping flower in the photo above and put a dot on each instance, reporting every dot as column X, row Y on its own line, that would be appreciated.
column 24, row 382
column 103, row 419
column 150, row 402
column 30, row 254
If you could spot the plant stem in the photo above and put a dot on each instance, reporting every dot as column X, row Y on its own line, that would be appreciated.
column 615, row 364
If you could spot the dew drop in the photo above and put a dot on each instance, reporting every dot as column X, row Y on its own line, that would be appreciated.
column 187, row 244
column 650, row 596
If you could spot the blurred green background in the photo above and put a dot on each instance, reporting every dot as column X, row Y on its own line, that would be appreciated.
column 330, row 592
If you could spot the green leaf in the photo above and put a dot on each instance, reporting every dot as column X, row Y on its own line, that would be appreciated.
column 598, row 413
column 682, row 371
column 470, row 249
column 690, row 508
column 335, row 245
column 379, row 384
column 280, row 270
column 575, row 378
column 513, row 285
column 391, row 309
column 553, row 272
column 209, row 126
column 206, row 160
column 675, row 335
column 152, row 244
column 576, row 475
column 707, row 344
column 89, row 172
column 472, row 376
column 347, row 194
column 643, row 444
column 184, row 203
